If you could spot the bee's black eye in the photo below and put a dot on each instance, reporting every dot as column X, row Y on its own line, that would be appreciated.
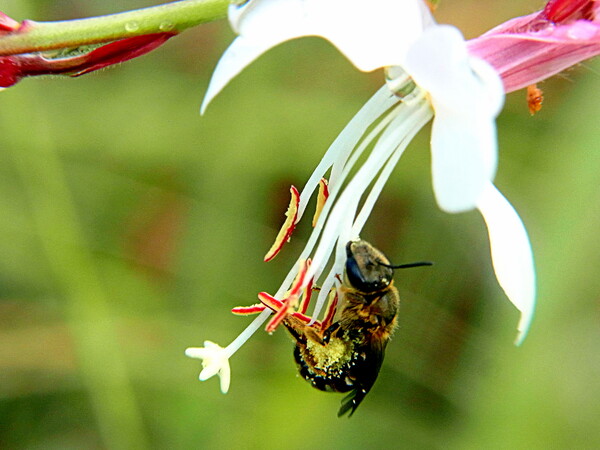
column 355, row 276
column 367, row 277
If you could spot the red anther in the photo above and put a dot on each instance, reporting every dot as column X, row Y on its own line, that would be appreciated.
column 285, row 233
column 245, row 310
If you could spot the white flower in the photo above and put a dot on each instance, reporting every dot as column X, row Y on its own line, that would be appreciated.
column 467, row 95
column 371, row 33
column 465, row 92
column 511, row 254
column 215, row 361
column 432, row 73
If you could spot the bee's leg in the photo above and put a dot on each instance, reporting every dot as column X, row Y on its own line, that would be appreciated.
column 302, row 332
column 296, row 328
column 314, row 335
column 329, row 331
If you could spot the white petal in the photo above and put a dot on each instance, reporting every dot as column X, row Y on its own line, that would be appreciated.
column 467, row 95
column 262, row 25
column 209, row 371
column 463, row 159
column 195, row 352
column 371, row 34
column 225, row 376
column 440, row 63
column 511, row 254
column 215, row 360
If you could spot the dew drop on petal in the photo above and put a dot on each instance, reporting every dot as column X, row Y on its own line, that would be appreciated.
column 545, row 30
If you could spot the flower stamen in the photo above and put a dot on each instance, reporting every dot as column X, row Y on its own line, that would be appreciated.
column 290, row 302
column 215, row 361
column 285, row 233
column 321, row 199
column 331, row 309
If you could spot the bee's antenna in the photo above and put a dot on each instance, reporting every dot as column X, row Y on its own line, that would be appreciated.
column 407, row 266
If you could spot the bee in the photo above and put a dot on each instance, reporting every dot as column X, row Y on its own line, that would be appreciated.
column 347, row 356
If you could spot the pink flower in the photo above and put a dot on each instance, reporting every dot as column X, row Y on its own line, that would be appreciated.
column 13, row 68
column 529, row 49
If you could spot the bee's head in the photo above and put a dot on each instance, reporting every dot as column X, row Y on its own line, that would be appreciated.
column 364, row 270
column 368, row 270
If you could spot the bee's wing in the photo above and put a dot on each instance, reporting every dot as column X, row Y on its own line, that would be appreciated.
column 366, row 373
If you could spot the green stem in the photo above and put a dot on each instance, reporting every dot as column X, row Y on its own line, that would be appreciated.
column 175, row 16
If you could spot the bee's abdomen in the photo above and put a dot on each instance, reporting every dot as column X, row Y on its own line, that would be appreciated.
column 331, row 378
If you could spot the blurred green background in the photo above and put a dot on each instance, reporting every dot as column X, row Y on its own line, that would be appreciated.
column 130, row 226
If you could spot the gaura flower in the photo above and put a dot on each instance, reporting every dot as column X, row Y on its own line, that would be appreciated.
column 215, row 361
column 511, row 254
column 372, row 34
column 462, row 84
column 386, row 33
column 466, row 95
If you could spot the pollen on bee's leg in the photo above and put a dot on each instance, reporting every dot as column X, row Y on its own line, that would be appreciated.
column 288, row 226
column 321, row 199
column 535, row 98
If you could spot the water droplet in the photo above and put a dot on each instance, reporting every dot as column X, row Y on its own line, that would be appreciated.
column 131, row 27
column 543, row 28
column 166, row 26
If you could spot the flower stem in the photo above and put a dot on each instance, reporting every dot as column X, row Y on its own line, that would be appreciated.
column 171, row 17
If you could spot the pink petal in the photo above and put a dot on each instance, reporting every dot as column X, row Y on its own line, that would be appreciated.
column 528, row 49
